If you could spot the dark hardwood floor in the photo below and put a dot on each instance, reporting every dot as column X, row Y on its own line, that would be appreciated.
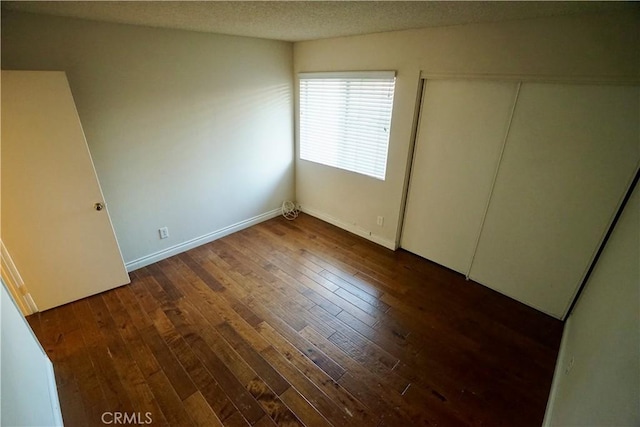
column 300, row 323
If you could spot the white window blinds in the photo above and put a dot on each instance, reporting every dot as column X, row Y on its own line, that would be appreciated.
column 345, row 120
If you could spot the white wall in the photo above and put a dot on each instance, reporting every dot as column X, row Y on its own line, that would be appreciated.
column 29, row 396
column 187, row 130
column 604, row 46
column 602, row 337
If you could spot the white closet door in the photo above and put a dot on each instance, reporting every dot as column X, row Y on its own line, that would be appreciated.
column 569, row 157
column 462, row 129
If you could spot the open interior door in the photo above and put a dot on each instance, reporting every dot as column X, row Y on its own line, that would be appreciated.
column 55, row 222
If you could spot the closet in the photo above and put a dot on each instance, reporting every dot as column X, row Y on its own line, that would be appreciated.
column 514, row 183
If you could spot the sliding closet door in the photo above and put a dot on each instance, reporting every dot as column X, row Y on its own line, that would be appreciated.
column 462, row 129
column 569, row 157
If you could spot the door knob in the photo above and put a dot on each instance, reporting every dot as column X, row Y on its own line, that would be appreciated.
column 98, row 206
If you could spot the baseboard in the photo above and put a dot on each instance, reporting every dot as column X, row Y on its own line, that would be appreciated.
column 557, row 375
column 198, row 241
column 53, row 394
column 389, row 244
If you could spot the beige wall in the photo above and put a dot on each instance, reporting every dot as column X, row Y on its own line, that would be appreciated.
column 568, row 47
column 597, row 379
column 187, row 130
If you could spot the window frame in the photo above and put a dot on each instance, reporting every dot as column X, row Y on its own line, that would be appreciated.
column 346, row 156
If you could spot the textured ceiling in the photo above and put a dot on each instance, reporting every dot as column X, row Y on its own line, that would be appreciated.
column 299, row 20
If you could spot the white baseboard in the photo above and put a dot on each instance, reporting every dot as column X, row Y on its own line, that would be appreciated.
column 558, row 374
column 53, row 394
column 198, row 241
column 389, row 244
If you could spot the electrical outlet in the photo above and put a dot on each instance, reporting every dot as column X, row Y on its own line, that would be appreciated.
column 164, row 232
column 380, row 221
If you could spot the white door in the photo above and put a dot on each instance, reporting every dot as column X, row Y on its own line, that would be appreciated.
column 516, row 187
column 463, row 124
column 571, row 153
column 54, row 222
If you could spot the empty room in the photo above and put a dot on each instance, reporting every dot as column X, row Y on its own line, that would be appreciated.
column 345, row 213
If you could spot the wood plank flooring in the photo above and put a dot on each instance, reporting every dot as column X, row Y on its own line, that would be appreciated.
column 300, row 323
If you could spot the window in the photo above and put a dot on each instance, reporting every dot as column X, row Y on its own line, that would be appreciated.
column 345, row 120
